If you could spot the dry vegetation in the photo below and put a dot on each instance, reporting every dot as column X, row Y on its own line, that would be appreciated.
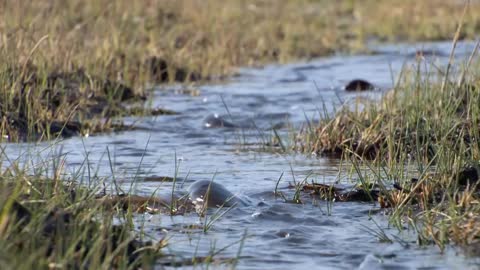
column 47, row 224
column 68, row 66
column 210, row 37
column 430, row 123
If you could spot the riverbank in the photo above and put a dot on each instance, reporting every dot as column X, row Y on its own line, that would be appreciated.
column 429, row 123
column 55, row 224
column 68, row 68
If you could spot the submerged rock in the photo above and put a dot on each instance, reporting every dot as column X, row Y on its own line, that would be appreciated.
column 205, row 194
column 359, row 85
column 216, row 121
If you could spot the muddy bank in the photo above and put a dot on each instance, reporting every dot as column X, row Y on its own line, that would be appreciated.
column 39, row 105
column 106, row 49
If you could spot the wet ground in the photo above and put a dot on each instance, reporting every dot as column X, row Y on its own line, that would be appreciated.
column 220, row 133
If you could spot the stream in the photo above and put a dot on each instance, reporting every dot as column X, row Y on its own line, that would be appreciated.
column 267, row 233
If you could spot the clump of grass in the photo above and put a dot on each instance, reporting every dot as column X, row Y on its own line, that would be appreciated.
column 43, row 106
column 430, row 121
column 54, row 223
column 410, row 122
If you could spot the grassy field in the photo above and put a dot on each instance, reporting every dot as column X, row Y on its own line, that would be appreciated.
column 68, row 68
column 210, row 37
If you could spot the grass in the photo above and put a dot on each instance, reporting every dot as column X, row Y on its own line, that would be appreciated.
column 53, row 223
column 51, row 220
column 429, row 122
column 66, row 67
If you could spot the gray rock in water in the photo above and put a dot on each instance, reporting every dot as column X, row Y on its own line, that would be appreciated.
column 216, row 121
column 205, row 194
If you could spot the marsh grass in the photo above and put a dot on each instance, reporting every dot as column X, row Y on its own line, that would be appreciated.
column 102, row 48
column 54, row 223
column 210, row 220
column 296, row 197
column 377, row 232
column 429, row 121
column 49, row 219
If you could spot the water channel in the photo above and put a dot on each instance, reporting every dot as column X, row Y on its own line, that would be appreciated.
column 268, row 233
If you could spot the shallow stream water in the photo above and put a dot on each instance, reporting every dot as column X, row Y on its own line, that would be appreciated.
column 268, row 233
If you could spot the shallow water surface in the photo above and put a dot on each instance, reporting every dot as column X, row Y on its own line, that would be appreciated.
column 267, row 233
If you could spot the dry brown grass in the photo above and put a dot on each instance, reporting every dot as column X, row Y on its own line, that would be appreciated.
column 135, row 42
column 425, row 126
column 212, row 36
